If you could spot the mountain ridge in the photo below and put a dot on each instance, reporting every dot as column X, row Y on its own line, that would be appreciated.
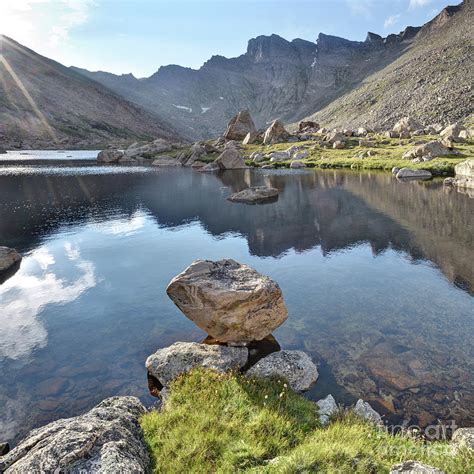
column 45, row 104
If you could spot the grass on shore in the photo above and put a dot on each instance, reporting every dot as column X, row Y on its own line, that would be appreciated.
column 229, row 423
column 387, row 154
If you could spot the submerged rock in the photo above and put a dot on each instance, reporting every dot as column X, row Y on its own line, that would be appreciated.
column 327, row 407
column 413, row 174
column 8, row 258
column 365, row 411
column 231, row 302
column 106, row 439
column 255, row 195
column 239, row 126
column 294, row 366
column 414, row 467
column 166, row 364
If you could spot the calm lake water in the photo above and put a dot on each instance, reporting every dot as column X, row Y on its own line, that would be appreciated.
column 378, row 277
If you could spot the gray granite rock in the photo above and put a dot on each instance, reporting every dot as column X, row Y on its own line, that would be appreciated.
column 181, row 357
column 326, row 408
column 294, row 366
column 106, row 439
column 365, row 411
column 463, row 438
column 254, row 195
column 414, row 467
column 407, row 173
column 110, row 156
column 8, row 258
column 232, row 302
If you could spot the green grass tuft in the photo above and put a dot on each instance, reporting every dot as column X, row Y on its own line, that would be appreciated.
column 230, row 423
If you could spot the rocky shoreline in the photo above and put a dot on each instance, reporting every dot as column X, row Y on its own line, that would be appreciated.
column 236, row 305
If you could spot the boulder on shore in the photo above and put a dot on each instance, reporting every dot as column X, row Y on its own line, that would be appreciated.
column 275, row 133
column 239, row 126
column 166, row 160
column 232, row 302
column 110, row 156
column 229, row 159
column 106, row 439
column 463, row 438
column 414, row 467
column 365, row 411
column 308, row 126
column 465, row 174
column 296, row 367
column 431, row 150
column 8, row 258
column 327, row 407
column 407, row 124
column 181, row 357
column 255, row 195
column 408, row 173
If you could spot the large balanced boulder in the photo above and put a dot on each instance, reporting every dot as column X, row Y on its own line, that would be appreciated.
column 239, row 126
column 110, row 156
column 232, row 302
column 8, row 258
column 296, row 367
column 275, row 133
column 407, row 124
column 181, row 357
column 106, row 439
column 255, row 195
column 414, row 467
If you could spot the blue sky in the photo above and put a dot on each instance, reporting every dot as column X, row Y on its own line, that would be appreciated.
column 123, row 36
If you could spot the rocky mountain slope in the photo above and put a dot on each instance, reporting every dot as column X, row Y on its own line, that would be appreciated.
column 424, row 71
column 45, row 104
column 431, row 81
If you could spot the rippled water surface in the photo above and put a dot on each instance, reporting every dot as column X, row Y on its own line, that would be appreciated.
column 378, row 277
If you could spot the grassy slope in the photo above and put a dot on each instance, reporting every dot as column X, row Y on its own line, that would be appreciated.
column 389, row 153
column 229, row 423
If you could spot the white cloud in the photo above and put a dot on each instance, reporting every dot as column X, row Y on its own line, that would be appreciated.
column 46, row 22
column 418, row 4
column 391, row 20
column 361, row 7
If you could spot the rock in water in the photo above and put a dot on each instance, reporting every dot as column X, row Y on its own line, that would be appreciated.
column 414, row 467
column 8, row 258
column 232, row 302
column 239, row 126
column 275, row 133
column 294, row 366
column 106, row 439
column 255, row 195
column 166, row 161
column 326, row 408
column 365, row 411
column 413, row 174
column 166, row 364
column 110, row 156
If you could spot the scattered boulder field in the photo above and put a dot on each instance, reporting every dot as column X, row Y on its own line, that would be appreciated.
column 434, row 148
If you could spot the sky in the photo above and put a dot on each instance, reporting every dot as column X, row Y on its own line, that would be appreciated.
column 139, row 36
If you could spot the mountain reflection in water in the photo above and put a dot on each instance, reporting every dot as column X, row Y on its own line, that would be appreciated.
column 360, row 259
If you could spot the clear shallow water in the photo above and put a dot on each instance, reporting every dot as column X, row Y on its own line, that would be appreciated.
column 377, row 276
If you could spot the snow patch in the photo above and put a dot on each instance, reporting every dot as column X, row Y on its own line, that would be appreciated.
column 204, row 109
column 183, row 107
